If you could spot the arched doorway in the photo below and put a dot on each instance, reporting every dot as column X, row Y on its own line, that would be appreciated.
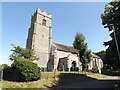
column 73, row 66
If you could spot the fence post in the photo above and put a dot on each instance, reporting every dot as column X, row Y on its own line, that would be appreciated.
column 54, row 73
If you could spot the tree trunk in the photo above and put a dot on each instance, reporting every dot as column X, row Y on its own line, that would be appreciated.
column 83, row 67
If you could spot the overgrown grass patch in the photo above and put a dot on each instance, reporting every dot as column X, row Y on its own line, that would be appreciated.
column 43, row 83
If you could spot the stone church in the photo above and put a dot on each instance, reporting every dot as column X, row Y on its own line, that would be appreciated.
column 53, row 56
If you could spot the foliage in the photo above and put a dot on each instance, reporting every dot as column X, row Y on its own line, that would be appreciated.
column 87, row 55
column 7, row 73
column 102, row 55
column 25, row 70
column 19, row 52
column 4, row 71
column 81, row 46
column 3, row 66
column 110, row 20
column 22, row 68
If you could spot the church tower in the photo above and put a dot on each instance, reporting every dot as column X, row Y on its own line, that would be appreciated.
column 40, row 36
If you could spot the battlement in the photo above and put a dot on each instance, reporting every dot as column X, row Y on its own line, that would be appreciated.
column 44, row 13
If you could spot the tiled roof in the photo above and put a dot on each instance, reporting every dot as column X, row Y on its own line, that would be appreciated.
column 65, row 47
column 69, row 49
column 95, row 56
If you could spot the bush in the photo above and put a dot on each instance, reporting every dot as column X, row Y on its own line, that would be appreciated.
column 25, row 70
column 3, row 69
column 7, row 73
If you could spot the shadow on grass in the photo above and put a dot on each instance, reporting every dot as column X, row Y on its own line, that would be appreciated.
column 82, row 82
column 69, row 78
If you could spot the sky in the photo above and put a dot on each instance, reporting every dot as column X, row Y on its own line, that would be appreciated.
column 67, row 19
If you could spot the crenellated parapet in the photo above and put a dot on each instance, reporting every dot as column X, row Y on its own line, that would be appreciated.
column 44, row 13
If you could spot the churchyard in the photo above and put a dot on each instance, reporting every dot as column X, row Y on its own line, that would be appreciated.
column 67, row 65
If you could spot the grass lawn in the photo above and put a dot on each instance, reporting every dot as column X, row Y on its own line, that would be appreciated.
column 48, row 79
column 43, row 83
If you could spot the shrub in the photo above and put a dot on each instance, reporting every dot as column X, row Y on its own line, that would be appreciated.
column 25, row 70
column 3, row 71
column 7, row 73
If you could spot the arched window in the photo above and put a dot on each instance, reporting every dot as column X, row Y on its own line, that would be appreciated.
column 44, row 22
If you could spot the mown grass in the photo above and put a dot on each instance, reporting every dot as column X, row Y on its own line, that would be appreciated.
column 51, row 79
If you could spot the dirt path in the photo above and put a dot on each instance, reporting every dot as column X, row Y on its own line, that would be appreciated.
column 101, row 83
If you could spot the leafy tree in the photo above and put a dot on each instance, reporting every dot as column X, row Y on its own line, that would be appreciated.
column 102, row 55
column 22, row 68
column 3, row 66
column 88, row 56
column 111, row 20
column 19, row 52
column 81, row 46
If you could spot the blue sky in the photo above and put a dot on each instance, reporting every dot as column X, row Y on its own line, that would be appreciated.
column 67, row 19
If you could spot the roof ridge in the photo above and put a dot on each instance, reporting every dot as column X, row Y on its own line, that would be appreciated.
column 64, row 47
column 63, row 44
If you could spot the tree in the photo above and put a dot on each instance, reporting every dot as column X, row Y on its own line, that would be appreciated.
column 3, row 66
column 87, row 58
column 110, row 20
column 102, row 55
column 19, row 52
column 81, row 46
column 22, row 68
